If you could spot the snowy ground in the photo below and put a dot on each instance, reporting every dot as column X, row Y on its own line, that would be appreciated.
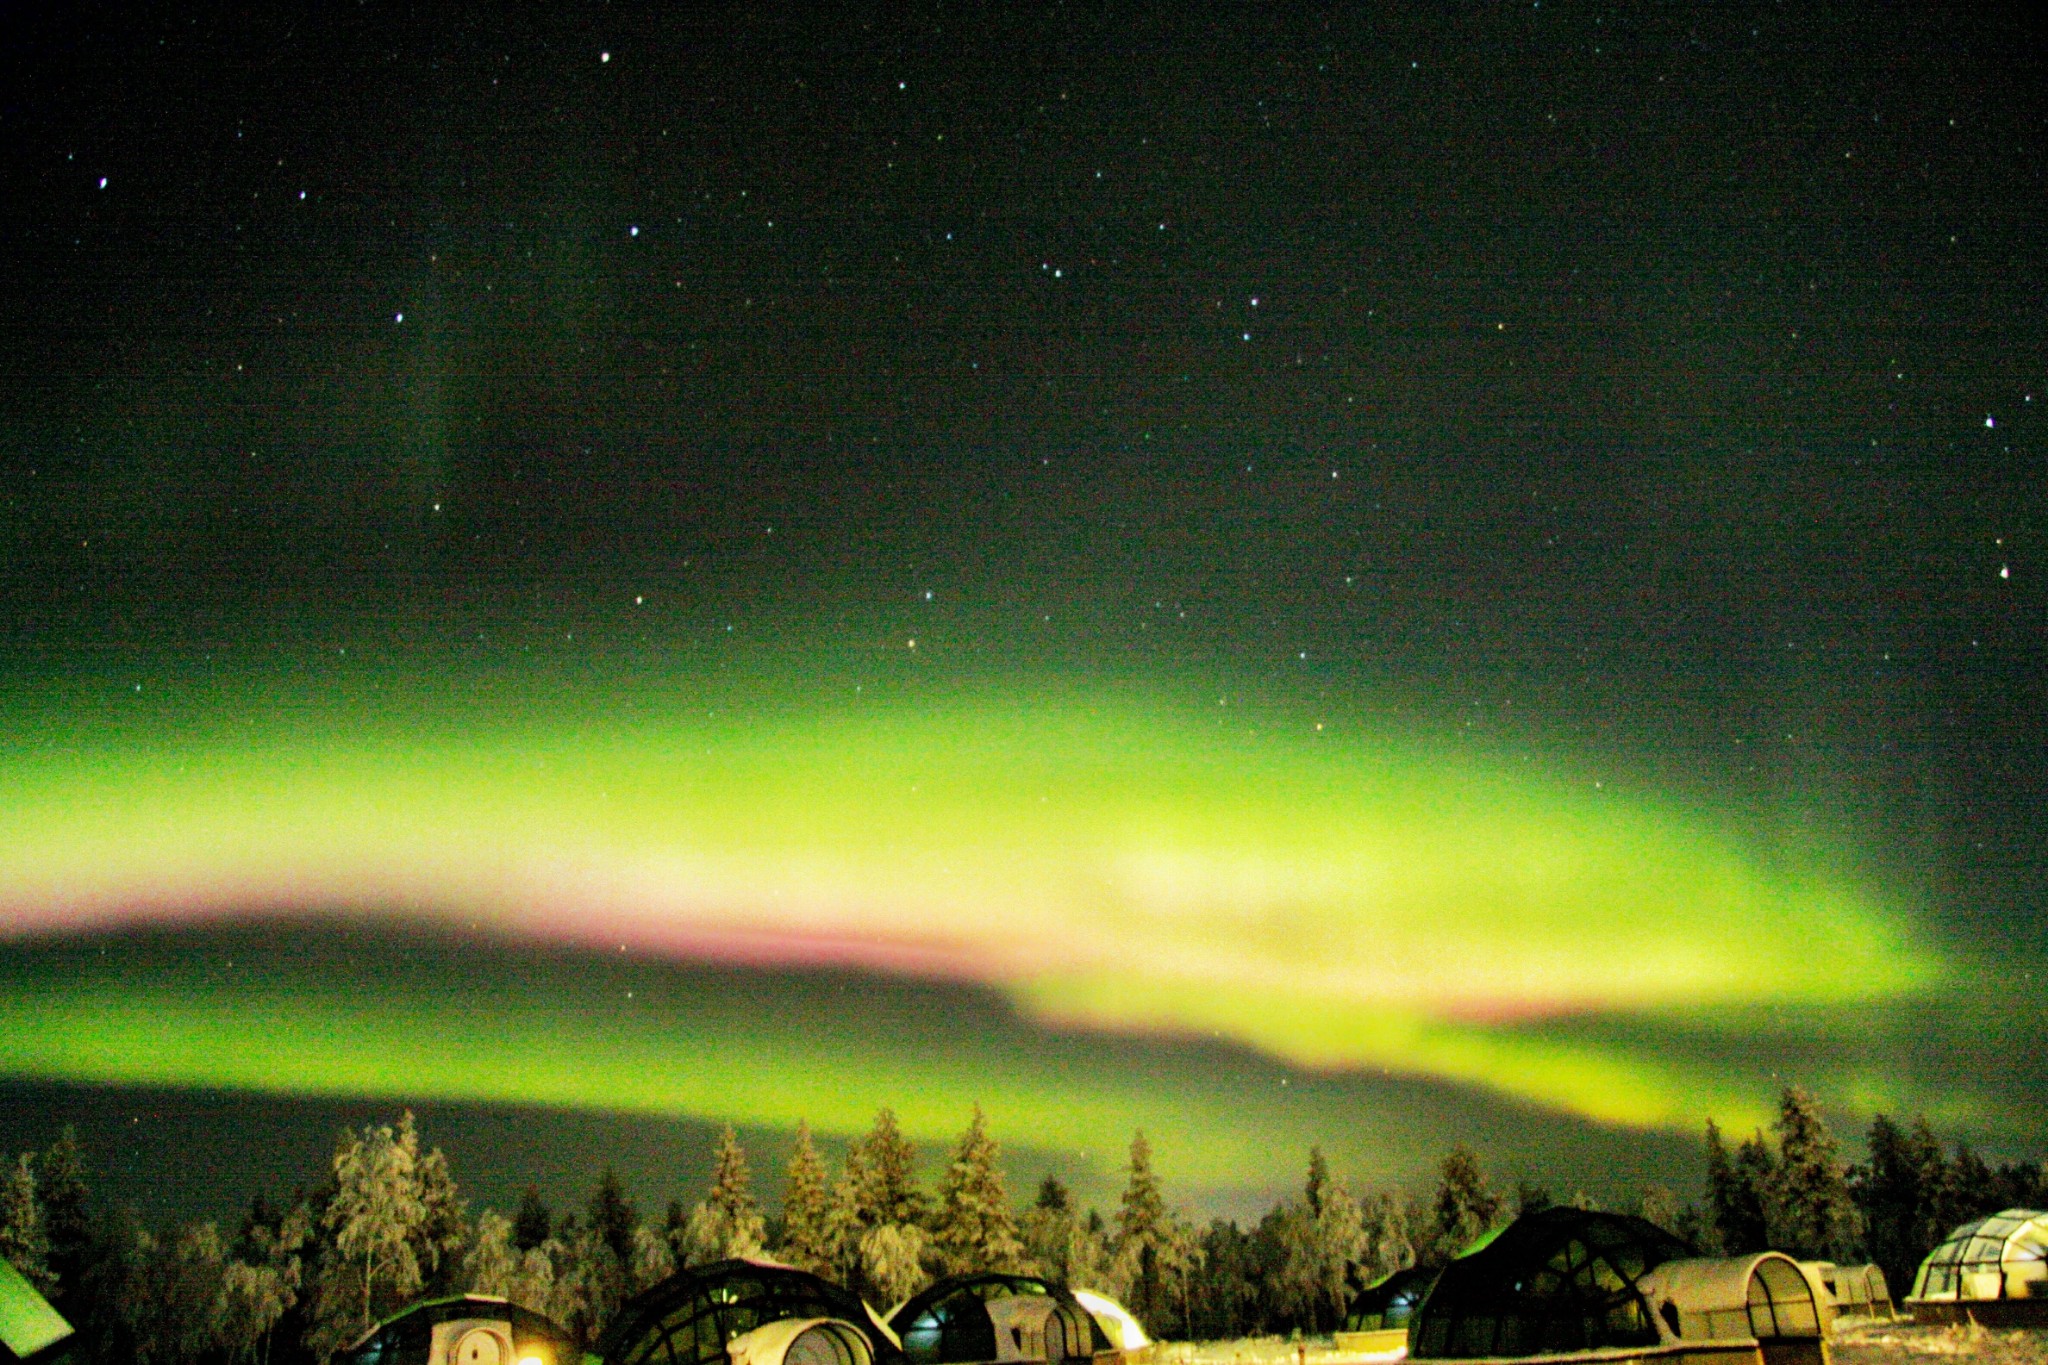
column 1262, row 1351
column 1897, row 1343
column 1873, row 1343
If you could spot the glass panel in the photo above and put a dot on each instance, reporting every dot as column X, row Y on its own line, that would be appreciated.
column 1793, row 1311
column 1474, row 1335
column 1762, row 1321
column 921, row 1339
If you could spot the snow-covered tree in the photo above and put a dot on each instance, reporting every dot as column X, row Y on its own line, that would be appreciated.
column 613, row 1216
column 727, row 1222
column 878, row 1189
column 892, row 1260
column 1738, row 1191
column 24, row 1241
column 1385, row 1245
column 1466, row 1204
column 1090, row 1259
column 67, row 1213
column 604, row 1255
column 806, row 1208
column 173, row 1306
column 1046, row 1229
column 652, row 1261
column 373, row 1223
column 1142, row 1232
column 437, row 1244
column 252, row 1300
column 1287, row 1239
column 1658, row 1204
column 533, row 1277
column 491, row 1260
column 1812, row 1215
column 1339, row 1239
column 587, row 1280
column 888, row 1190
column 1900, row 1192
column 1180, row 1261
column 973, row 1229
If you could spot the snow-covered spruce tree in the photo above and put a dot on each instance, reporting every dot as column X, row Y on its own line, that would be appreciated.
column 1810, row 1210
column 878, row 1189
column 1723, row 1211
column 613, row 1216
column 1287, row 1252
column 1339, row 1242
column 1385, row 1242
column 973, row 1229
column 806, row 1208
column 1047, row 1228
column 570, row 1277
column 1226, row 1289
column 1466, row 1205
column 604, row 1255
column 727, row 1222
column 889, row 1191
column 1318, row 1247
column 1180, row 1261
column 1141, row 1234
column 1091, row 1261
column 24, row 1241
column 892, row 1260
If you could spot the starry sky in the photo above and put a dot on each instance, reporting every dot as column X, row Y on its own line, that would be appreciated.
column 1473, row 571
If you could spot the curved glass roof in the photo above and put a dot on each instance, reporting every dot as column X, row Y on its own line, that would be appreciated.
column 406, row 1336
column 1389, row 1301
column 688, row 1318
column 2004, row 1256
column 951, row 1321
column 1560, row 1279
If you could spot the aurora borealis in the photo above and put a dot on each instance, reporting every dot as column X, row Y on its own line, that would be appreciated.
column 1359, row 576
column 1109, row 866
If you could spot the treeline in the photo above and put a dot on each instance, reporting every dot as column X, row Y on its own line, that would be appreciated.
column 299, row 1280
column 1792, row 1191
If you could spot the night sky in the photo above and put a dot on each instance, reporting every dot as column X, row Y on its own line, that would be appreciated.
column 1370, row 575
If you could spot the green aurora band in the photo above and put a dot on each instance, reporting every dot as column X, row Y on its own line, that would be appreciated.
column 1322, row 894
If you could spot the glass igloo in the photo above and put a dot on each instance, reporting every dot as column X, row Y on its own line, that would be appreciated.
column 972, row 1319
column 2002, row 1259
column 744, row 1312
column 1559, row 1280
